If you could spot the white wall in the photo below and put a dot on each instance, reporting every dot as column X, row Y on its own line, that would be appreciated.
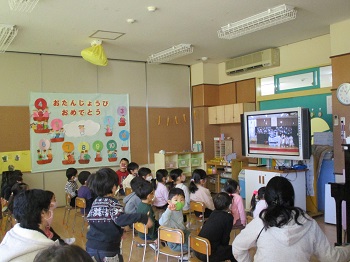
column 161, row 85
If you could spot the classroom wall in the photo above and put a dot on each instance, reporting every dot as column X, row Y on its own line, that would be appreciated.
column 154, row 91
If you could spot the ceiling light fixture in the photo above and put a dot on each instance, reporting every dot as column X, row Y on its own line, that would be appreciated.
column 7, row 34
column 271, row 17
column 170, row 53
column 22, row 5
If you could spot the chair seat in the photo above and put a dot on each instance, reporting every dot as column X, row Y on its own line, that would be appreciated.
column 168, row 251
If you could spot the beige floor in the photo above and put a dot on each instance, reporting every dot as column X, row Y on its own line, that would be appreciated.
column 137, row 252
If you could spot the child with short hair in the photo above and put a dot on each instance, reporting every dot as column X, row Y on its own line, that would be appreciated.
column 84, row 191
column 258, row 202
column 199, row 193
column 146, row 193
column 232, row 188
column 132, row 201
column 217, row 230
column 173, row 218
column 132, row 168
column 106, row 217
column 71, row 185
column 122, row 173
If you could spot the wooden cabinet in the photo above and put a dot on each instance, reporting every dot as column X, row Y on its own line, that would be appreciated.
column 205, row 95
column 228, row 114
column 227, row 94
column 239, row 109
column 258, row 177
column 216, row 114
column 187, row 161
column 246, row 91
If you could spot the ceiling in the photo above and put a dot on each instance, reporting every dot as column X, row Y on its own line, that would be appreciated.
column 63, row 27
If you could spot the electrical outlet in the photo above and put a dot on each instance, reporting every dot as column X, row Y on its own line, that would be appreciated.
column 342, row 120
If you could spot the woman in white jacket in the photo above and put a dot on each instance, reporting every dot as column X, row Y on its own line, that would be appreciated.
column 283, row 232
column 31, row 209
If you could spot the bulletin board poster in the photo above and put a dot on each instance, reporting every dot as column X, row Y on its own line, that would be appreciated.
column 78, row 130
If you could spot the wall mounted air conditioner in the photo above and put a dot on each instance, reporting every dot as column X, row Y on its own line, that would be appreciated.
column 258, row 60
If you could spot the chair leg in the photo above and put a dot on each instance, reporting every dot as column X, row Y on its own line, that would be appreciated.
column 132, row 244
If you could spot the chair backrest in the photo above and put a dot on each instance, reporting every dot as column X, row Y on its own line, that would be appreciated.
column 127, row 191
column 197, row 206
column 140, row 227
column 172, row 235
column 199, row 244
column 80, row 202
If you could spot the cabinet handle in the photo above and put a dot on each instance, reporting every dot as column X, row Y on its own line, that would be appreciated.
column 259, row 179
column 263, row 180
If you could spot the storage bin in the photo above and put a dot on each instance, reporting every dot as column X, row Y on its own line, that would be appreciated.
column 196, row 161
column 170, row 164
column 183, row 162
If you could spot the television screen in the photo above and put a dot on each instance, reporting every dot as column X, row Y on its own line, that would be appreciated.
column 277, row 134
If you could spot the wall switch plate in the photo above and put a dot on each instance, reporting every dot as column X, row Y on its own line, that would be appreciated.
column 335, row 120
column 342, row 120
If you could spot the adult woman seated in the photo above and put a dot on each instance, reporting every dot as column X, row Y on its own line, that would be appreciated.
column 283, row 232
column 31, row 209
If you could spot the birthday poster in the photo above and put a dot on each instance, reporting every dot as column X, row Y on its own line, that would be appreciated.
column 78, row 130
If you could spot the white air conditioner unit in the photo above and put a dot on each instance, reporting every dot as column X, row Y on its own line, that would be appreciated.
column 258, row 60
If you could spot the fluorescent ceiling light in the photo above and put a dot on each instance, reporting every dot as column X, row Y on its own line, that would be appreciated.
column 170, row 53
column 22, row 5
column 7, row 34
column 271, row 17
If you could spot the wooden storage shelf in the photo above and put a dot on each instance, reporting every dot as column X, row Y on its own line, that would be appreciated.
column 187, row 161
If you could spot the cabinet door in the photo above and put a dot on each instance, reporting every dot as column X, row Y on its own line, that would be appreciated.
column 212, row 115
column 220, row 114
column 240, row 108
column 229, row 109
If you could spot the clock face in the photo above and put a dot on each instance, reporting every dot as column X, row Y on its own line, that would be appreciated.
column 343, row 93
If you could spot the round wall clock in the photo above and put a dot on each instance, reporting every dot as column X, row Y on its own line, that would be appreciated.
column 343, row 94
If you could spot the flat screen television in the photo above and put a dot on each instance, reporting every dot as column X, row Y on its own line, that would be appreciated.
column 277, row 134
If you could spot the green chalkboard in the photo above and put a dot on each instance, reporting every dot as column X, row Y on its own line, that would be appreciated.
column 314, row 102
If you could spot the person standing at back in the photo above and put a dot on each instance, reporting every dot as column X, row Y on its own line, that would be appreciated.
column 283, row 232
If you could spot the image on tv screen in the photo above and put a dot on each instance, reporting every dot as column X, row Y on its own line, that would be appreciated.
column 274, row 134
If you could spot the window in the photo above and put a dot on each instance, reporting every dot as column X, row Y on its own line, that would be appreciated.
column 319, row 77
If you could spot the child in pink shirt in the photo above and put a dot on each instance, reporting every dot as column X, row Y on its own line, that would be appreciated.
column 237, row 208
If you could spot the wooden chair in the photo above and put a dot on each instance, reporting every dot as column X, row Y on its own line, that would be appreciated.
column 197, row 206
column 141, row 228
column 67, row 210
column 127, row 191
column 80, row 203
column 199, row 245
column 166, row 234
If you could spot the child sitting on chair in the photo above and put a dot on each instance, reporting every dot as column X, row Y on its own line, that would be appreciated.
column 84, row 191
column 232, row 188
column 132, row 201
column 217, row 230
column 71, row 185
column 258, row 202
column 145, row 192
column 173, row 218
